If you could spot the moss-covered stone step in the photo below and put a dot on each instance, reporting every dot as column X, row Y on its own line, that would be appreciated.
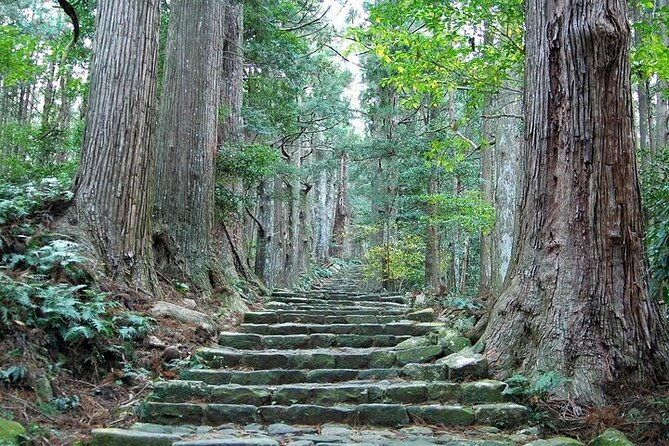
column 356, row 358
column 278, row 317
column 281, row 376
column 251, row 341
column 418, row 372
column 405, row 328
column 336, row 309
column 329, row 310
column 392, row 415
column 122, row 437
column 350, row 392
column 298, row 301
column 331, row 296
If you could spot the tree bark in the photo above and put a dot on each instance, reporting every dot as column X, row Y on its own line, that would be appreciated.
column 264, row 233
column 323, row 210
column 486, row 246
column 113, row 188
column 506, row 173
column 576, row 300
column 230, row 127
column 432, row 245
column 188, row 139
column 340, row 227
column 661, row 101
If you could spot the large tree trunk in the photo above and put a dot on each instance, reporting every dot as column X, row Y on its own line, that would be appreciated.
column 187, row 140
column 576, row 300
column 113, row 189
column 486, row 258
column 340, row 228
column 323, row 209
column 264, row 234
column 661, row 101
column 505, row 173
column 230, row 129
column 432, row 245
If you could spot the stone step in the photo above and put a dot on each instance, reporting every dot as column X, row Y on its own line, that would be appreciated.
column 328, row 434
column 276, row 316
column 330, row 311
column 393, row 328
column 328, row 394
column 297, row 301
column 392, row 415
column 280, row 317
column 352, row 358
column 442, row 369
column 251, row 341
column 334, row 296
column 348, row 306
column 282, row 376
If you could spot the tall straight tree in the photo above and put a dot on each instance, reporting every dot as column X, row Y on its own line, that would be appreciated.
column 576, row 299
column 187, row 138
column 113, row 188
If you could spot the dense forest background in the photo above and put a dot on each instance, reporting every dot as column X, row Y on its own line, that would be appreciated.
column 211, row 150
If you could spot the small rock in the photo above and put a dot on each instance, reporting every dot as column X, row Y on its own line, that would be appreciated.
column 171, row 353
column 189, row 303
column 426, row 315
column 417, row 430
column 185, row 315
column 529, row 431
column 43, row 389
column 611, row 437
column 155, row 342
column 201, row 430
column 420, row 341
column 455, row 344
column 254, row 427
column 336, row 429
column 465, row 364
column 420, row 300
column 281, row 429
column 452, row 340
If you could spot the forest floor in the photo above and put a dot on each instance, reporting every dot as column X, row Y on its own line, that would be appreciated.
column 92, row 398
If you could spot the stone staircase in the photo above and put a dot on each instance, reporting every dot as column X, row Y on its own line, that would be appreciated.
column 332, row 365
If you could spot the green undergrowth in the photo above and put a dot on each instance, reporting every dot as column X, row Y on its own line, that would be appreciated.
column 49, row 301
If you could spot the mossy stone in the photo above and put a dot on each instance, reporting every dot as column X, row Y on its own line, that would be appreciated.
column 418, row 354
column 10, row 432
column 556, row 441
column 446, row 415
column 420, row 341
column 382, row 359
column 425, row 315
column 484, row 391
column 611, row 437
column 455, row 344
column 120, row 437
